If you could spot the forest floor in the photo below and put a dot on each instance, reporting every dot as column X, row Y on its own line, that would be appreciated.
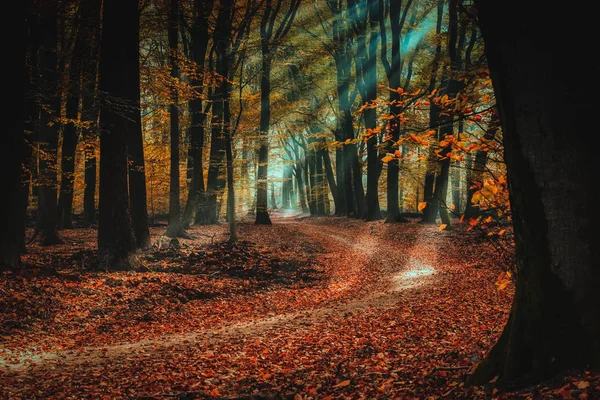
column 307, row 308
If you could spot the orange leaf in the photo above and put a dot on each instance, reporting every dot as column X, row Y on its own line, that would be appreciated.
column 343, row 384
column 462, row 218
column 214, row 392
column 398, row 153
column 442, row 227
column 422, row 205
column 582, row 384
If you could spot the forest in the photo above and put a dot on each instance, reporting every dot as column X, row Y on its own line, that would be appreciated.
column 299, row 199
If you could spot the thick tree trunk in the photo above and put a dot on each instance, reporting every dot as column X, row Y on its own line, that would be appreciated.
column 554, row 323
column 48, row 129
column 12, row 145
column 120, row 30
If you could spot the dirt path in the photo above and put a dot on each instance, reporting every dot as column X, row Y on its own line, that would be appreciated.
column 371, row 261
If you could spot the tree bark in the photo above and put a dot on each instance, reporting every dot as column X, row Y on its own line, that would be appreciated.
column 12, row 145
column 120, row 30
column 135, row 147
column 554, row 324
column 175, row 227
column 199, row 45
column 48, row 129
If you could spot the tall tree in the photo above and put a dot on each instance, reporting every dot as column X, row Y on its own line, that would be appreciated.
column 90, row 109
column 431, row 210
column 135, row 149
column 269, row 40
column 70, row 131
column 370, row 113
column 554, row 323
column 12, row 145
column 220, row 100
column 48, row 128
column 175, row 227
column 120, row 39
column 394, row 74
column 198, row 46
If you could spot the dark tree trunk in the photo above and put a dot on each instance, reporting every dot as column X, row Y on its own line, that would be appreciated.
column 269, row 39
column 453, row 86
column 90, row 109
column 395, row 73
column 12, row 144
column 120, row 37
column 554, row 324
column 48, row 129
column 477, row 170
column 175, row 227
column 370, row 80
column 70, row 134
column 222, row 38
column 431, row 209
column 199, row 44
column 262, row 214
column 135, row 147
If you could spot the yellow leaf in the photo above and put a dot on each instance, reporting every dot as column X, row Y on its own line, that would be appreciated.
column 343, row 384
column 582, row 384
column 442, row 227
column 422, row 205
column 501, row 232
column 387, row 158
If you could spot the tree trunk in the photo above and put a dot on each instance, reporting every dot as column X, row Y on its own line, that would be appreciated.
column 69, row 142
column 120, row 37
column 477, row 170
column 230, row 189
column 175, row 227
column 262, row 214
column 89, row 107
column 330, row 176
column 48, row 129
column 370, row 79
column 554, row 324
column 12, row 145
column 222, row 38
column 135, row 147
column 199, row 43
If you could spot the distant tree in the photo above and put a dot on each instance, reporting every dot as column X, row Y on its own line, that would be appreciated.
column 120, row 39
column 554, row 323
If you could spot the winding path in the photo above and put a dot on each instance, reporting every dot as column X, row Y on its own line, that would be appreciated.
column 367, row 252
